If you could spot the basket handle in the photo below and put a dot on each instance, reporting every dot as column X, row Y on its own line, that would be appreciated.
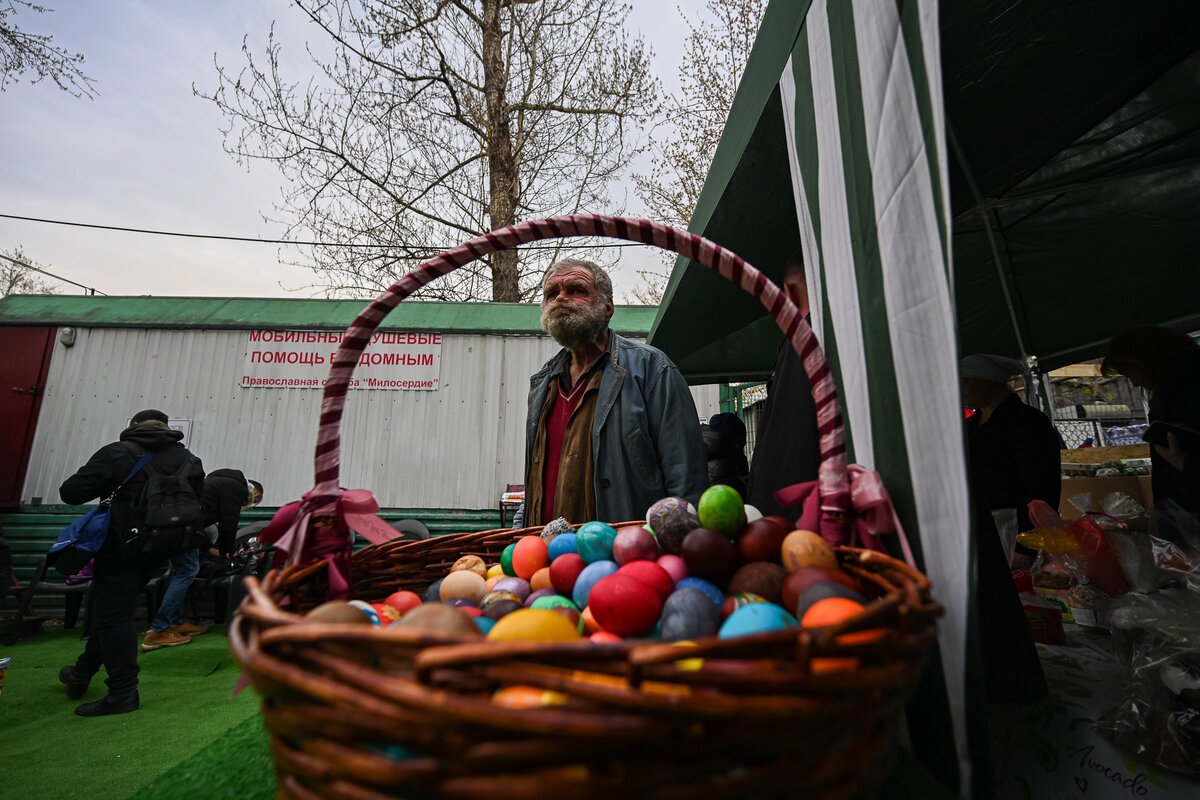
column 832, row 475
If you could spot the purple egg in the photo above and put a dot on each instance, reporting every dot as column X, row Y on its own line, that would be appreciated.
column 458, row 602
column 535, row 595
column 518, row 586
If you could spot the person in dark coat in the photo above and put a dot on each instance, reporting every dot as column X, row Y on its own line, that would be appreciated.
column 725, row 447
column 787, row 447
column 121, row 570
column 1166, row 363
column 226, row 493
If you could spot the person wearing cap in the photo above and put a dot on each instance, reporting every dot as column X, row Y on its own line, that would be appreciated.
column 1014, row 451
column 724, row 438
column 226, row 493
column 120, row 570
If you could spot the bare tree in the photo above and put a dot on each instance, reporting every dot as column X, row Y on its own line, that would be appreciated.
column 715, row 54
column 22, row 52
column 19, row 275
column 429, row 122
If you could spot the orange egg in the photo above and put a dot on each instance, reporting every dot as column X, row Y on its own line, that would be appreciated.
column 541, row 580
column 604, row 637
column 529, row 555
column 527, row 697
column 492, row 581
column 832, row 611
column 590, row 625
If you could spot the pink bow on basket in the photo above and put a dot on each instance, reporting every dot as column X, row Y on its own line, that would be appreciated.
column 870, row 508
column 304, row 533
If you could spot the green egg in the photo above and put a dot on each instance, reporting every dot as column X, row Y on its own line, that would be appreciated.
column 721, row 509
column 506, row 561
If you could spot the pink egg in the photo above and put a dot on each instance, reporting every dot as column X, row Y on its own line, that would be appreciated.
column 623, row 605
column 674, row 565
column 605, row 637
column 529, row 556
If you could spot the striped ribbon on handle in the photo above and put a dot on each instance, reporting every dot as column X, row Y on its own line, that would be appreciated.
column 833, row 481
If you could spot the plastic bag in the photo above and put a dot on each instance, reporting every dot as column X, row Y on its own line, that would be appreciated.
column 1115, row 510
column 1157, row 638
column 1095, row 561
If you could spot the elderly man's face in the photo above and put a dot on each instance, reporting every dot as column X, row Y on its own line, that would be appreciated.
column 572, row 311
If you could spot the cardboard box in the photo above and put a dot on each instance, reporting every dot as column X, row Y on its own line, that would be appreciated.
column 1136, row 486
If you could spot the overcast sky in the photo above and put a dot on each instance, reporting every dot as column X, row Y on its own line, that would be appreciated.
column 148, row 154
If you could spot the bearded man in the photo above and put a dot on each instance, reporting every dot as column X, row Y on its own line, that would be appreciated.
column 611, row 425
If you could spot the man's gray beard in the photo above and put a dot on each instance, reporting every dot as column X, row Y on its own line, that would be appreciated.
column 574, row 327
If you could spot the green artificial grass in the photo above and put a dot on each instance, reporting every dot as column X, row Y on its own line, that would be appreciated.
column 236, row 765
column 46, row 750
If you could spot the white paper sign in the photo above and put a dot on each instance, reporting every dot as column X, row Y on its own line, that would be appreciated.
column 301, row 360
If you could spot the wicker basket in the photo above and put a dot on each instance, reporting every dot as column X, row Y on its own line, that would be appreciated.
column 364, row 712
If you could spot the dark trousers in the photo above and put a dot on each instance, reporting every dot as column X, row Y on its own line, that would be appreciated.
column 114, row 639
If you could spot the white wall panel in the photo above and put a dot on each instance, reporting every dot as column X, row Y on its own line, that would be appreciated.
column 452, row 448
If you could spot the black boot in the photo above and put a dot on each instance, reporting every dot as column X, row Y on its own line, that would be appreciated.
column 110, row 704
column 77, row 685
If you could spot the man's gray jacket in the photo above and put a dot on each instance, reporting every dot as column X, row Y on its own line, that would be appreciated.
column 646, row 441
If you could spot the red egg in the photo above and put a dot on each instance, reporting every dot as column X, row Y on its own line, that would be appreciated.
column 652, row 575
column 529, row 556
column 403, row 601
column 762, row 539
column 623, row 605
column 634, row 543
column 564, row 571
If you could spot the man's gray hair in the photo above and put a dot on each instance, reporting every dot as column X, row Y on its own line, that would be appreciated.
column 603, row 283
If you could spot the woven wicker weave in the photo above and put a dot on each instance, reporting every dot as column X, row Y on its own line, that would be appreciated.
column 363, row 712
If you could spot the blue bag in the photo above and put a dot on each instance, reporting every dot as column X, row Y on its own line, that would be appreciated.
column 82, row 539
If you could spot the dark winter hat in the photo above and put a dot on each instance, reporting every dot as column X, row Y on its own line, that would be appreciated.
column 728, row 424
column 148, row 414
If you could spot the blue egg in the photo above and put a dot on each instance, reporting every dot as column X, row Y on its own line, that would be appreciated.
column 594, row 541
column 371, row 613
column 689, row 613
column 484, row 624
column 587, row 579
column 560, row 545
column 710, row 589
column 756, row 618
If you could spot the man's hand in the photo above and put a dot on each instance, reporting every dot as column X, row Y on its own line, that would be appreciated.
column 1173, row 453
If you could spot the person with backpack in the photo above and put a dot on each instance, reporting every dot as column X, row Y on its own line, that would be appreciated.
column 148, row 520
column 226, row 492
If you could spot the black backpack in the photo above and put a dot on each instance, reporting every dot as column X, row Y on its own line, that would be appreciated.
column 172, row 517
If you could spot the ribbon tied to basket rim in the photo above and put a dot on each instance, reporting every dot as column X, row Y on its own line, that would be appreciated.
column 303, row 531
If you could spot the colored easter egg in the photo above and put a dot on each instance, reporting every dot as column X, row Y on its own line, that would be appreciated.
column 387, row 614
column 735, row 601
column 721, row 509
column 439, row 617
column 470, row 609
column 762, row 539
column 541, row 580
column 529, row 555
column 338, row 611
column 553, row 601
column 532, row 624
column 761, row 578
column 689, row 613
column 564, row 571
column 670, row 519
column 492, row 581
column 463, row 585
column 433, row 592
column 806, row 549
column 518, row 586
column 752, row 513
column 709, row 555
column 755, row 618
column 527, row 697
column 709, row 589
column 366, row 608
column 403, row 601
column 501, row 608
column 674, row 565
column 801, row 578
column 587, row 623
column 651, row 574
column 495, row 571
column 553, row 529
column 484, row 624
column 499, row 594
column 817, row 592
column 506, row 560
column 606, row 637
column 560, row 545
column 624, row 605
column 569, row 613
column 832, row 611
column 472, row 563
column 539, row 593
column 634, row 543
column 594, row 541
column 587, row 579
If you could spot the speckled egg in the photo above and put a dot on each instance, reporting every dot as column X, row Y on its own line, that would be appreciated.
column 689, row 613
column 554, row 528
column 671, row 519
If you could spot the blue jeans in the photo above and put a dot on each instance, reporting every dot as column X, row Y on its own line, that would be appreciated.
column 183, row 571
